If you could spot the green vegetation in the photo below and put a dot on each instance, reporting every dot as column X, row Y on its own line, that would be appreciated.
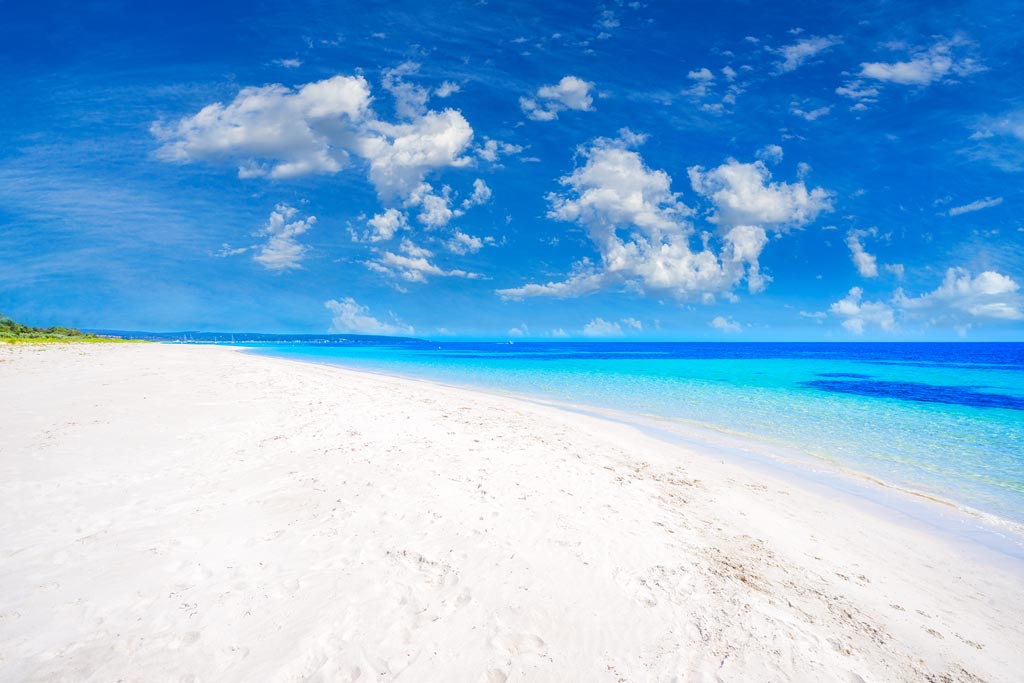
column 14, row 332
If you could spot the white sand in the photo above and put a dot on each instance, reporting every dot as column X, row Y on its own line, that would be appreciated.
column 186, row 513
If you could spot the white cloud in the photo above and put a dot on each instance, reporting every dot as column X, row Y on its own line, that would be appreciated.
column 633, row 323
column 896, row 269
column 924, row 66
column 608, row 19
column 856, row 90
column 461, row 243
column 959, row 302
column 447, row 89
column 703, row 80
column 292, row 130
column 282, row 251
column 859, row 314
column 744, row 194
column 725, row 324
column 770, row 154
column 569, row 93
column 385, row 225
column 997, row 140
column 520, row 331
column 988, row 295
column 640, row 228
column 492, row 150
column 436, row 208
column 481, row 194
column 413, row 264
column 559, row 332
column 599, row 327
column 812, row 114
column 410, row 99
column 795, row 55
column 227, row 250
column 401, row 155
column 289, row 63
column 703, row 74
column 985, row 203
column 349, row 316
column 1010, row 125
column 866, row 263
column 279, row 132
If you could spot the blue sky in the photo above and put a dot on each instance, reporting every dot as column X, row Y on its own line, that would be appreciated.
column 719, row 170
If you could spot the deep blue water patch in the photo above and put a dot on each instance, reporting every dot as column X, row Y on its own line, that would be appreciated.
column 848, row 375
column 921, row 393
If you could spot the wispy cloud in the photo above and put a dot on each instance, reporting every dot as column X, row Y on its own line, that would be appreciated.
column 986, row 203
column 796, row 55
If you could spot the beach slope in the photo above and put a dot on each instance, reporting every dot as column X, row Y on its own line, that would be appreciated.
column 194, row 513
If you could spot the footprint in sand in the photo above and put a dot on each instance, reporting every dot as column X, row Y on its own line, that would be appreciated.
column 519, row 644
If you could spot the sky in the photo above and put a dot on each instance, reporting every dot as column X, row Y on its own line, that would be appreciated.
column 638, row 170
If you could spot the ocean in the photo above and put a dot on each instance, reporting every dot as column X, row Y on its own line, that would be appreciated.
column 941, row 419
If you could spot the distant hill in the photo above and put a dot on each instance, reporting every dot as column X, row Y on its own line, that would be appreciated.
column 242, row 337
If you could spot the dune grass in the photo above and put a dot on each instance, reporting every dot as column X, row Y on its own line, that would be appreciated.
column 12, row 332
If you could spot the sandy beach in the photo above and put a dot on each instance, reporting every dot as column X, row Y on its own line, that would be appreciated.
column 195, row 513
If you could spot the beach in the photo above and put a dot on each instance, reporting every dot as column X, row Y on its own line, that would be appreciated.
column 196, row 513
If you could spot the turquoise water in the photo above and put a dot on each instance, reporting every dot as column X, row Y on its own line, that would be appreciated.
column 942, row 419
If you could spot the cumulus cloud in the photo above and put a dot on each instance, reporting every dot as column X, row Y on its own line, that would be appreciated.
column 925, row 66
column 639, row 225
column 401, row 155
column 481, row 194
column 282, row 251
column 348, row 316
column 858, row 314
column 291, row 130
column 413, row 264
column 462, row 243
column 866, row 263
column 723, row 324
column 383, row 226
column 702, row 82
column 447, row 89
column 987, row 295
column 492, row 150
column 436, row 208
column 959, row 302
column 744, row 194
column 279, row 132
column 569, row 93
column 797, row 54
column 986, row 203
column 599, row 327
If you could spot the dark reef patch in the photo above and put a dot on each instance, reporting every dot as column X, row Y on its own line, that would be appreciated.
column 921, row 393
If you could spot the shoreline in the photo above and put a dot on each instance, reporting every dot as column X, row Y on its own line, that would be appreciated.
column 949, row 519
column 170, row 511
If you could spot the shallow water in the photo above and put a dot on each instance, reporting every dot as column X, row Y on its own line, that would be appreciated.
column 943, row 419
